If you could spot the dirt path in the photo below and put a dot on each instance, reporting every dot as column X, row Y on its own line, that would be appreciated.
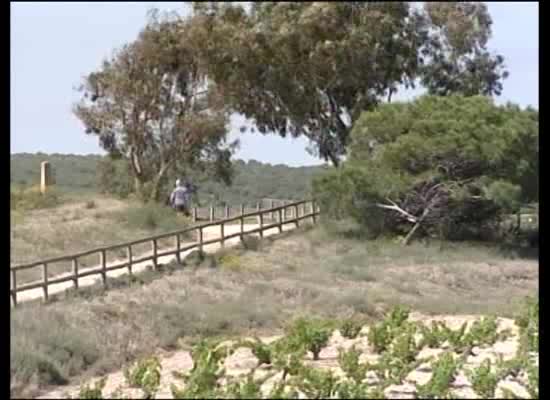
column 209, row 233
column 243, row 360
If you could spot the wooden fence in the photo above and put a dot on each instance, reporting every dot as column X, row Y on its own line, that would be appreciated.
column 212, row 213
column 278, row 215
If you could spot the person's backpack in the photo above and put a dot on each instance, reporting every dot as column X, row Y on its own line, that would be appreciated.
column 180, row 196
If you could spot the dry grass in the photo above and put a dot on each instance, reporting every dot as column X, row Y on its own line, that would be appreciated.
column 255, row 289
column 81, row 224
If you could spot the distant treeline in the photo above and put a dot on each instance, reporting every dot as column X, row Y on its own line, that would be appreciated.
column 252, row 180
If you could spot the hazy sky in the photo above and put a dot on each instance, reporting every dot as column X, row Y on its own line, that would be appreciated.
column 53, row 45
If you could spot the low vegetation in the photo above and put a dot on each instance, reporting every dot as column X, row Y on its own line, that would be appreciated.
column 238, row 292
column 79, row 225
column 293, row 374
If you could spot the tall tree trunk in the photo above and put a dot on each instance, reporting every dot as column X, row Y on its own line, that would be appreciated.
column 138, row 185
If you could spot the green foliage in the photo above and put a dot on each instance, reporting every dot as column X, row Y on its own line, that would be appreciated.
column 315, row 66
column 379, row 337
column 484, row 332
column 313, row 334
column 202, row 380
column 434, row 335
column 528, row 323
column 382, row 334
column 32, row 199
column 533, row 381
column 483, row 380
column 208, row 379
column 174, row 133
column 247, row 388
column 446, row 163
column 145, row 374
column 459, row 59
column 93, row 392
column 114, row 178
column 316, row 383
column 354, row 390
column 444, row 369
column 252, row 181
column 400, row 359
column 348, row 361
column 288, row 354
column 151, row 216
column 351, row 327
column 263, row 352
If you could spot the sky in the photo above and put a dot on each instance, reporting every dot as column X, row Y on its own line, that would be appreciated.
column 55, row 44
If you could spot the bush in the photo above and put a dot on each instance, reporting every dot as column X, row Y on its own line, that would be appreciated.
column 152, row 216
column 350, row 328
column 33, row 199
column 313, row 334
column 447, row 163
column 145, row 374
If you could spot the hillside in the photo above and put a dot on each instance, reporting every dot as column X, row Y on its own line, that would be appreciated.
column 253, row 180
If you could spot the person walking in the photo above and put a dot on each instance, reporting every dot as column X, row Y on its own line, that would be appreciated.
column 179, row 197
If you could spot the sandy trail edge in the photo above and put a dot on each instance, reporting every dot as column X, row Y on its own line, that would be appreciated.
column 209, row 234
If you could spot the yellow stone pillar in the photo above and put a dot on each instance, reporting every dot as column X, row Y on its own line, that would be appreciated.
column 46, row 176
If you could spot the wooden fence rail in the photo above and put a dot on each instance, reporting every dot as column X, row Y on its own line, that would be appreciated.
column 281, row 218
column 213, row 213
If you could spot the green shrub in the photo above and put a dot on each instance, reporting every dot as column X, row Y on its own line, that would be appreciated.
column 313, row 334
column 404, row 161
column 263, row 352
column 528, row 323
column 350, row 328
column 145, row 374
column 444, row 369
column 349, row 363
column 152, row 216
column 484, row 381
column 316, row 383
column 92, row 392
column 33, row 199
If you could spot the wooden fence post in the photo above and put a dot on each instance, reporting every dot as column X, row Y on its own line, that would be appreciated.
column 155, row 251
column 222, row 232
column 296, row 216
column 178, row 246
column 103, row 260
column 211, row 213
column 280, row 212
column 129, row 251
column 75, row 273
column 45, row 282
column 261, row 216
column 200, row 238
column 13, row 287
column 272, row 206
column 242, row 222
column 258, row 208
column 195, row 214
column 226, row 211
column 314, row 211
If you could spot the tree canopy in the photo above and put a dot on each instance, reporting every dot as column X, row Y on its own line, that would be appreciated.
column 311, row 68
column 152, row 105
column 445, row 166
